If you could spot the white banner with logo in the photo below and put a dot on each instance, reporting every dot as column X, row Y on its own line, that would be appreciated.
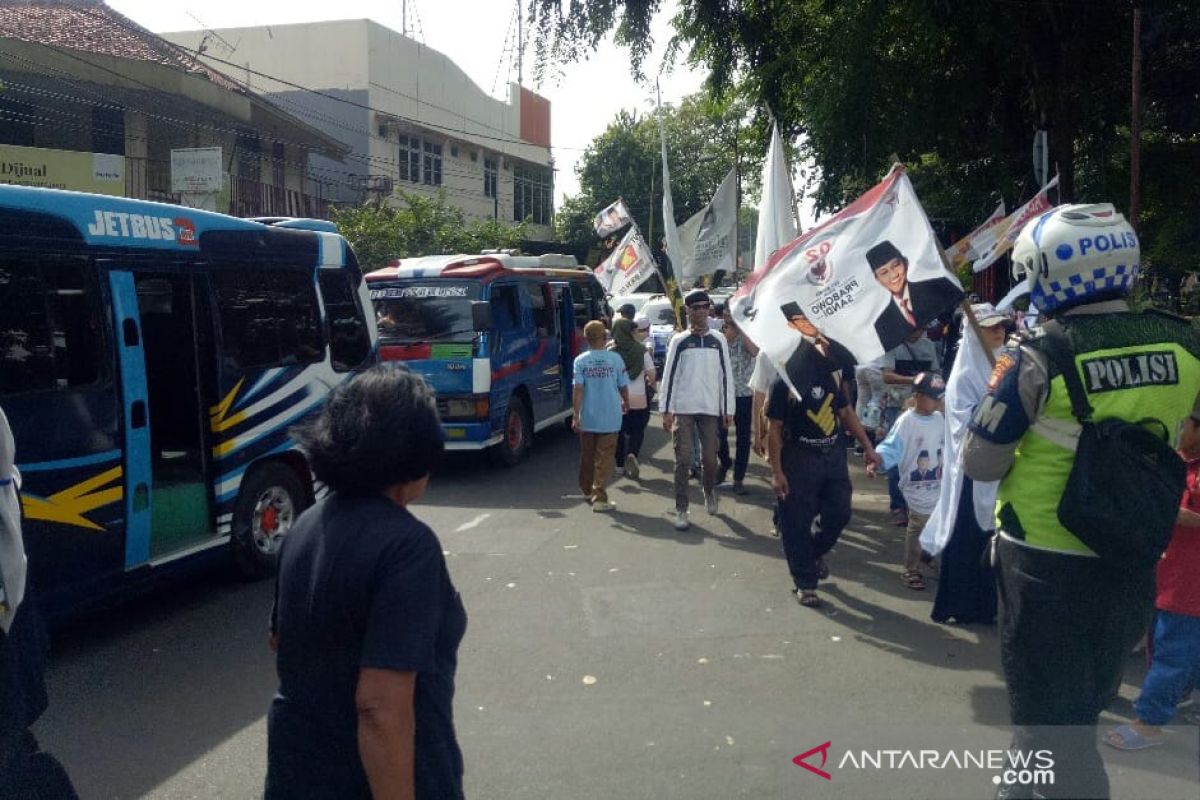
column 708, row 238
column 867, row 278
column 627, row 267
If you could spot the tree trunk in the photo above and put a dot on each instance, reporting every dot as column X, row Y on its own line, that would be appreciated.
column 1135, row 123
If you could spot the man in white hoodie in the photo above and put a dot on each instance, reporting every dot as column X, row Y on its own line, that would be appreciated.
column 696, row 394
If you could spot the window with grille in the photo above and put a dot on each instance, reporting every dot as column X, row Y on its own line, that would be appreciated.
column 410, row 159
column 433, row 164
column 489, row 177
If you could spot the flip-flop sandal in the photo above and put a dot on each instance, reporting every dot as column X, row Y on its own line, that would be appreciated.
column 808, row 598
column 1125, row 737
column 913, row 580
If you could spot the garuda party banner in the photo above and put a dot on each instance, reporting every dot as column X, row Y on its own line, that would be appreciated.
column 867, row 278
column 627, row 267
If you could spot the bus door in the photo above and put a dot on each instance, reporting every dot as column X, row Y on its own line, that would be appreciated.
column 163, row 326
column 565, row 304
column 547, row 362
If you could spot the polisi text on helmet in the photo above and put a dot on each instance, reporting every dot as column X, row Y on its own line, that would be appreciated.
column 1106, row 242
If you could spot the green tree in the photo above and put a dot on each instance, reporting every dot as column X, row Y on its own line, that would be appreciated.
column 379, row 232
column 955, row 90
column 625, row 161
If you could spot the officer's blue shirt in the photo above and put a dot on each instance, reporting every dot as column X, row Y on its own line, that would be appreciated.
column 362, row 583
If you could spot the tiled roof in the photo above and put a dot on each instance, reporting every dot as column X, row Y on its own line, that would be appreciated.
column 90, row 26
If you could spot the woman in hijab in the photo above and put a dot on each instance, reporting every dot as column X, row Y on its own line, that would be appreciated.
column 962, row 525
column 629, row 342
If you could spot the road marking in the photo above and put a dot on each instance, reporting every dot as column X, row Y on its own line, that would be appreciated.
column 466, row 526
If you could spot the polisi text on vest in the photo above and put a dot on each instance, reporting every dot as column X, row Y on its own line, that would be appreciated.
column 1130, row 371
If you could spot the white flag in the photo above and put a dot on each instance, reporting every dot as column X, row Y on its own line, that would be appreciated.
column 627, row 267
column 674, row 252
column 867, row 278
column 708, row 238
column 776, row 220
column 1007, row 231
column 612, row 219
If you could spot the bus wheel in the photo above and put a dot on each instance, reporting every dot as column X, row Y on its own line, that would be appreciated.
column 270, row 500
column 518, row 434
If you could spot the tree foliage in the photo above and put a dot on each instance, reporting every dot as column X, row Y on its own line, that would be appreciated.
column 956, row 90
column 421, row 226
column 703, row 141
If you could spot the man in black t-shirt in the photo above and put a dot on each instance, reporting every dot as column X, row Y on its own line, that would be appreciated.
column 808, row 460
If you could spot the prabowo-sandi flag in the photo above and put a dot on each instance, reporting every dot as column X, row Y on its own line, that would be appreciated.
column 627, row 267
column 709, row 238
column 1007, row 231
column 868, row 277
column 776, row 212
column 612, row 219
column 970, row 246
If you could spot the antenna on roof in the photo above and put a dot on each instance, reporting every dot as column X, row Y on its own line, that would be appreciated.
column 209, row 33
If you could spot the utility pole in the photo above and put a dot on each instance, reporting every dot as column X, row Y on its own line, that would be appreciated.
column 404, row 17
column 1135, row 123
column 520, row 45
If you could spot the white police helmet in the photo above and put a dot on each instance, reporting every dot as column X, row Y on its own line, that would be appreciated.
column 1076, row 254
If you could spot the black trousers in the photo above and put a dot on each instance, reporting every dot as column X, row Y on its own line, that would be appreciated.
column 633, row 433
column 1067, row 624
column 818, row 484
column 741, row 419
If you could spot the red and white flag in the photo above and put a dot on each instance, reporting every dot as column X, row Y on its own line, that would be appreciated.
column 868, row 277
column 1007, row 231
column 970, row 246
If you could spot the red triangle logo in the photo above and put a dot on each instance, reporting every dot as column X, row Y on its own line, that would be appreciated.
column 823, row 749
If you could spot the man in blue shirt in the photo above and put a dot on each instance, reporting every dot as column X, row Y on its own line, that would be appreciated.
column 600, row 399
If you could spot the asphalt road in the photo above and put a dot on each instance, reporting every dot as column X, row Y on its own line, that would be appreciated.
column 607, row 656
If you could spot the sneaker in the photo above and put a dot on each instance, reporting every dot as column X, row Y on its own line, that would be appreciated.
column 739, row 487
column 632, row 468
column 681, row 521
column 710, row 502
column 822, row 569
column 899, row 518
column 603, row 506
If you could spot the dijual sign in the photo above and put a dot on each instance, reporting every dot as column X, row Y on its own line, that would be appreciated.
column 98, row 173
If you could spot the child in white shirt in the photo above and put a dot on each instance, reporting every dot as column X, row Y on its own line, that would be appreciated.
column 914, row 444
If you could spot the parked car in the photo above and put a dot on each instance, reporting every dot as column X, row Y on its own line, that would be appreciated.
column 662, row 327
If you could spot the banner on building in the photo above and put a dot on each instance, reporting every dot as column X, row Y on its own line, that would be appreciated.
column 867, row 278
column 1007, row 231
column 708, row 240
column 970, row 246
column 612, row 219
column 628, row 267
column 98, row 173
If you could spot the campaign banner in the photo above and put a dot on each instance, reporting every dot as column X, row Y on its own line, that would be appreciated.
column 970, row 246
column 1007, row 231
column 627, row 267
column 867, row 278
column 708, row 238
column 612, row 219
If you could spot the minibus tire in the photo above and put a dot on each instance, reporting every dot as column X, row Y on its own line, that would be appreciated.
column 274, row 488
column 508, row 453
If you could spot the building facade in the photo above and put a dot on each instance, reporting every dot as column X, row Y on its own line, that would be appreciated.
column 412, row 119
column 91, row 101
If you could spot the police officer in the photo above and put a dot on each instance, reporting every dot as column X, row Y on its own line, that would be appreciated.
column 808, row 457
column 1068, row 618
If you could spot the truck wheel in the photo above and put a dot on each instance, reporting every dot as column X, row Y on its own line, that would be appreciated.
column 518, row 434
column 268, row 504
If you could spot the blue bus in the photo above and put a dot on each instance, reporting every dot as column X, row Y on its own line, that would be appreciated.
column 152, row 359
column 494, row 334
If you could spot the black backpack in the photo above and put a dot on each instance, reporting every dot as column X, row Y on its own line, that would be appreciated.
column 1122, row 496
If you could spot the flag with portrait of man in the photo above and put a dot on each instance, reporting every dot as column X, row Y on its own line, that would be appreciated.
column 612, row 218
column 627, row 267
column 868, row 278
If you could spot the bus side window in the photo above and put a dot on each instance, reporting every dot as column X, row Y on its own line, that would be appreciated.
column 506, row 307
column 50, row 330
column 269, row 318
column 349, row 342
column 540, row 308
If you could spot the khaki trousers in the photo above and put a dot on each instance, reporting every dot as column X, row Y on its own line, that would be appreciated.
column 596, row 451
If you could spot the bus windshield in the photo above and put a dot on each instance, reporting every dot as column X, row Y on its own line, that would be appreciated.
column 425, row 310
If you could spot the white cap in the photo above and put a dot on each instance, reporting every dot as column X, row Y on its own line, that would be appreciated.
column 987, row 315
column 641, row 322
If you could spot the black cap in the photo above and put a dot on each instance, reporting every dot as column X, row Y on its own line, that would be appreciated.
column 696, row 296
column 923, row 454
column 628, row 311
column 792, row 309
column 929, row 384
column 881, row 254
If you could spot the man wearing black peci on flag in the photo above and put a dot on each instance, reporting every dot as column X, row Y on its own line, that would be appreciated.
column 912, row 303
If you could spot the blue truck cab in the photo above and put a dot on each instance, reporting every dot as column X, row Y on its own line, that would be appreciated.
column 494, row 334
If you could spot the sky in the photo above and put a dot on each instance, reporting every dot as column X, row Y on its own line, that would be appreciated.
column 578, row 112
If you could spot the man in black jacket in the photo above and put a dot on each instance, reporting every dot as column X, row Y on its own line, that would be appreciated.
column 912, row 303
